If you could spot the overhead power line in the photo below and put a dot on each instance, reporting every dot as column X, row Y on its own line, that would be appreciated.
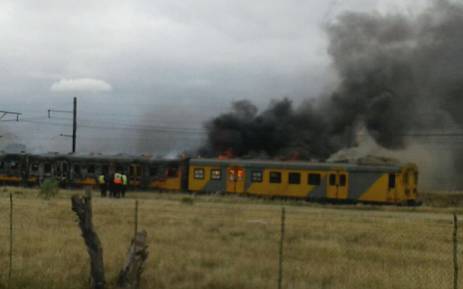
column 179, row 130
column 4, row 113
column 187, row 130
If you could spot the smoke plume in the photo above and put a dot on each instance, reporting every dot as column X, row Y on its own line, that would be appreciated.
column 400, row 78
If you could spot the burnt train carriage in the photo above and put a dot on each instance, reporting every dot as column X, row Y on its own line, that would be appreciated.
column 13, row 169
column 77, row 170
column 142, row 172
column 84, row 169
column 393, row 184
column 167, row 175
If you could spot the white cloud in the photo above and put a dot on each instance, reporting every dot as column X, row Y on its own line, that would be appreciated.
column 81, row 84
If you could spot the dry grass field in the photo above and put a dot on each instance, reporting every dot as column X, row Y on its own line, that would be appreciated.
column 217, row 242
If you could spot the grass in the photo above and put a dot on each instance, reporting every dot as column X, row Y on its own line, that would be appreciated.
column 225, row 242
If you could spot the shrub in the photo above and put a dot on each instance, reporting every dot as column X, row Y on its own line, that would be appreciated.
column 187, row 200
column 49, row 189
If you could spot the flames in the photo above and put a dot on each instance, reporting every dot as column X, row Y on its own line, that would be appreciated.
column 226, row 154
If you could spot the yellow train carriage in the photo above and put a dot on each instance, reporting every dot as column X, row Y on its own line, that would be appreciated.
column 392, row 184
column 166, row 175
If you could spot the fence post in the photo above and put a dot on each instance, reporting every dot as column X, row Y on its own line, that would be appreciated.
column 455, row 251
column 136, row 219
column 82, row 206
column 10, row 269
column 282, row 238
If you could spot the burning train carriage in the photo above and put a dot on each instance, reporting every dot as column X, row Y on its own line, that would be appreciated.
column 387, row 183
column 392, row 184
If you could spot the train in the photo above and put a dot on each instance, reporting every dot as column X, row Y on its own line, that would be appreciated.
column 388, row 183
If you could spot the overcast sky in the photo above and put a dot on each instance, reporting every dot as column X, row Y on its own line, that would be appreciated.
column 158, row 63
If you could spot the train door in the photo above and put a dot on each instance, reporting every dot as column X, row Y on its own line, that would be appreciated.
column 392, row 188
column 337, row 185
column 184, row 173
column 135, row 174
column 410, row 180
column 235, row 180
column 62, row 172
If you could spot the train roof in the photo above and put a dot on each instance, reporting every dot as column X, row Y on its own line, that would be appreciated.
column 91, row 157
column 297, row 165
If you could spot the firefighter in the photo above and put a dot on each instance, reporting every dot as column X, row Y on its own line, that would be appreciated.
column 117, row 184
column 124, row 185
column 102, row 184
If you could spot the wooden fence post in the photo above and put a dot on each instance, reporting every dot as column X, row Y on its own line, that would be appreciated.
column 82, row 206
column 130, row 275
column 136, row 219
column 280, row 254
column 10, row 269
column 455, row 251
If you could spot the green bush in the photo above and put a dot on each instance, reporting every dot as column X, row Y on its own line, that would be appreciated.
column 49, row 189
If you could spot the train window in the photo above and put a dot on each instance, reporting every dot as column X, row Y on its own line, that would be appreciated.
column 105, row 169
column 275, row 177
column 2, row 165
column 342, row 180
column 131, row 171
column 332, row 179
column 392, row 181
column 294, row 178
column 153, row 171
column 13, row 165
column 405, row 179
column 65, row 167
column 172, row 172
column 240, row 174
column 58, row 170
column 77, row 170
column 216, row 174
column 314, row 179
column 91, row 169
column 35, row 167
column 256, row 176
column 47, row 168
column 412, row 178
column 199, row 174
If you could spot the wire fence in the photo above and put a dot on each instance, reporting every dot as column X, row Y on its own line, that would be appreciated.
column 195, row 244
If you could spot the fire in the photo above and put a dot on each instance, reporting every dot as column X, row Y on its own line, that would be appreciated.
column 226, row 154
column 295, row 156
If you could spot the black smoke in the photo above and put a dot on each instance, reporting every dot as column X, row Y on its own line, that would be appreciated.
column 280, row 130
column 398, row 75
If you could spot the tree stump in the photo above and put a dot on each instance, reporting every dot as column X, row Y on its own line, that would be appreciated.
column 82, row 206
column 129, row 277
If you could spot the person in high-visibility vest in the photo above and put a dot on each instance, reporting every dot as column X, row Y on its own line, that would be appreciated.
column 102, row 184
column 124, row 185
column 117, row 184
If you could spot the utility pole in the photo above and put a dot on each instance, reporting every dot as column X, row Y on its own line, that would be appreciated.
column 74, row 122
column 74, row 125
